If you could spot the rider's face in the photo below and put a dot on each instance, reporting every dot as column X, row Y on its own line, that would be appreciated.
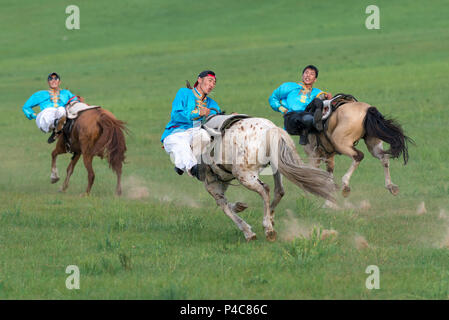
column 53, row 83
column 309, row 77
column 206, row 84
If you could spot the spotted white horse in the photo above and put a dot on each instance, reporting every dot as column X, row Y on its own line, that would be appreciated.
column 246, row 148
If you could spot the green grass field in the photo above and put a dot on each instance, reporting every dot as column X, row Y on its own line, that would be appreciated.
column 165, row 238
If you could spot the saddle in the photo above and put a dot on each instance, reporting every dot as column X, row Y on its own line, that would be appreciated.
column 73, row 110
column 217, row 124
column 331, row 105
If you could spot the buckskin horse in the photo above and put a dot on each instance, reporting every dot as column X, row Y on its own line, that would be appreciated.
column 242, row 151
column 346, row 125
column 95, row 132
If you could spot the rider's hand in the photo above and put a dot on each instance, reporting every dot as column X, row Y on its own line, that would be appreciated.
column 328, row 96
column 31, row 116
column 283, row 110
column 204, row 111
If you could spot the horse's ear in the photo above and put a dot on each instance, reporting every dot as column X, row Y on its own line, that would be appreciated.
column 188, row 84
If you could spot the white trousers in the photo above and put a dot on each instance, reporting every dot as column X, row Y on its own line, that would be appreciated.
column 45, row 119
column 185, row 147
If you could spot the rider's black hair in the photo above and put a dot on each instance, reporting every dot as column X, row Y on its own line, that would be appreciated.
column 310, row 66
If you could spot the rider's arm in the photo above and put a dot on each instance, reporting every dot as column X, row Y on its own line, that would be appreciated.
column 280, row 94
column 194, row 115
column 198, row 113
column 65, row 96
column 33, row 101
column 323, row 95
column 214, row 105
column 181, row 112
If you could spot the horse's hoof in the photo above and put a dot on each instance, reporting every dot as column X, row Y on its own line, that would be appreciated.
column 394, row 189
column 84, row 195
column 62, row 190
column 240, row 206
column 346, row 191
column 252, row 237
column 54, row 180
column 271, row 235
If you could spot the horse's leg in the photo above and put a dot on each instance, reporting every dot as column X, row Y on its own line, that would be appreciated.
column 375, row 147
column 251, row 180
column 330, row 164
column 70, row 168
column 278, row 194
column 345, row 146
column 217, row 190
column 90, row 171
column 356, row 156
column 59, row 149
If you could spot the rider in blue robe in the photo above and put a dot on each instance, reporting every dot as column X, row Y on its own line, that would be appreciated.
column 190, row 107
column 51, row 104
column 302, row 102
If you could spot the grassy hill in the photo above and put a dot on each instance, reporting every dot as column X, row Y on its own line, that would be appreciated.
column 165, row 238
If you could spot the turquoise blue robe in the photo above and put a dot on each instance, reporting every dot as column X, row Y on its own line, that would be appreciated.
column 185, row 111
column 43, row 100
column 291, row 96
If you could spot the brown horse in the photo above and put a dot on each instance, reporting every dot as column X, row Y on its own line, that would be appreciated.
column 96, row 132
column 346, row 126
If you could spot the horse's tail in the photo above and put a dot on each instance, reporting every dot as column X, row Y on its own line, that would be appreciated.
column 308, row 178
column 387, row 130
column 111, row 141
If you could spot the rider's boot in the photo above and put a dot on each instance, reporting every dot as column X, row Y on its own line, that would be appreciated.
column 199, row 171
column 58, row 125
column 179, row 171
column 317, row 116
column 52, row 138
column 317, row 109
column 303, row 139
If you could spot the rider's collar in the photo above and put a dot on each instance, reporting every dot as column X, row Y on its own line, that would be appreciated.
column 198, row 95
column 304, row 89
